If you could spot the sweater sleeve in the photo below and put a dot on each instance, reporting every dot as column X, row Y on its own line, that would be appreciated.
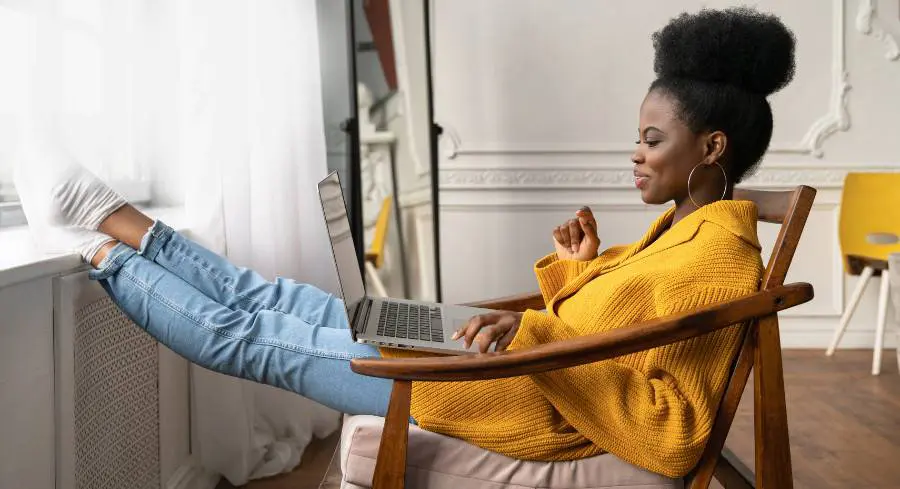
column 671, row 399
column 553, row 274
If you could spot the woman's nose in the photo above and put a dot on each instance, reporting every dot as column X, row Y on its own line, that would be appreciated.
column 637, row 157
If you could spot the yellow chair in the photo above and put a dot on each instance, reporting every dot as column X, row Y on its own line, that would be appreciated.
column 375, row 253
column 869, row 232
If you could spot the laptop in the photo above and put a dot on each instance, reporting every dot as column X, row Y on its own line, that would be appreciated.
column 382, row 321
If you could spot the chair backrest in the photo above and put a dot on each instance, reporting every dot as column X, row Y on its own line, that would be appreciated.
column 870, row 204
column 761, row 348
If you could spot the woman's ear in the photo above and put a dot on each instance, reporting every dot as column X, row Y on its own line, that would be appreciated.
column 716, row 142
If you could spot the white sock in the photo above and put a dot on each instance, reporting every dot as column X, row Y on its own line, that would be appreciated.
column 84, row 199
column 38, row 172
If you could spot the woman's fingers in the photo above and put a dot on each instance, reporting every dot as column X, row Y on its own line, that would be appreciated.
column 507, row 337
column 502, row 333
column 575, row 234
column 559, row 238
column 589, row 228
column 588, row 223
column 471, row 329
column 486, row 329
column 586, row 216
column 586, row 213
column 567, row 238
column 486, row 336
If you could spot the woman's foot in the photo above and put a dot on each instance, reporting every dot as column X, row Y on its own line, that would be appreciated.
column 101, row 253
column 77, row 198
column 38, row 172
column 86, row 202
column 83, row 199
column 127, row 225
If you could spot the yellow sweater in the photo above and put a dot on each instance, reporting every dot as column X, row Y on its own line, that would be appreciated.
column 653, row 409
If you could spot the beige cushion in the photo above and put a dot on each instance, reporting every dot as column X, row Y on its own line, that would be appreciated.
column 440, row 462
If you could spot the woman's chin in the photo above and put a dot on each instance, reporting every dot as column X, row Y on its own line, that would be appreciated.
column 649, row 197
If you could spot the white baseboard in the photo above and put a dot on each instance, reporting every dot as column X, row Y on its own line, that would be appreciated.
column 821, row 339
column 191, row 475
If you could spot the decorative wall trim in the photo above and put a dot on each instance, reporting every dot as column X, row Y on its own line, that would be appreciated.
column 452, row 147
column 837, row 118
column 868, row 24
column 415, row 197
column 786, row 176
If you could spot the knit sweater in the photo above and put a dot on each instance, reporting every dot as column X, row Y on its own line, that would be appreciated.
column 653, row 408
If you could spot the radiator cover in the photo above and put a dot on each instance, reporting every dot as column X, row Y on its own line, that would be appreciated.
column 107, row 393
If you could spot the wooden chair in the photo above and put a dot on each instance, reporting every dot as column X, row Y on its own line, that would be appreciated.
column 760, row 351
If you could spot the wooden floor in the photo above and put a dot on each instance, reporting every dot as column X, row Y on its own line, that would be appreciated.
column 845, row 426
column 844, row 423
column 310, row 474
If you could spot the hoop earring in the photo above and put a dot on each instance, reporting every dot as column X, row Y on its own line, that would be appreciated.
column 724, row 191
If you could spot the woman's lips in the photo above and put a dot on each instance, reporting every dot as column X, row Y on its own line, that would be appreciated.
column 640, row 180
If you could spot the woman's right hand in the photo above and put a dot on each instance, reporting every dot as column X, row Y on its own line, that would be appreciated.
column 576, row 239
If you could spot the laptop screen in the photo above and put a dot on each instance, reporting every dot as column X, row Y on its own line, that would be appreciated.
column 349, row 276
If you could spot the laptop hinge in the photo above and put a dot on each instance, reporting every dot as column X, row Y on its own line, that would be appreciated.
column 360, row 317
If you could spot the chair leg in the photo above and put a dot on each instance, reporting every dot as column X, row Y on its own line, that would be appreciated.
column 772, row 440
column 882, row 319
column 851, row 306
column 377, row 284
column 390, row 465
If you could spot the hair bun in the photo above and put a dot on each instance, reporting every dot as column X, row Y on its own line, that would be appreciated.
column 736, row 46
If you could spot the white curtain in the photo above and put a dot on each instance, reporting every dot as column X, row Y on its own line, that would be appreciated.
column 252, row 141
column 216, row 104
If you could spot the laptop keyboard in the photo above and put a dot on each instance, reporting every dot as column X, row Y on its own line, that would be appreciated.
column 411, row 321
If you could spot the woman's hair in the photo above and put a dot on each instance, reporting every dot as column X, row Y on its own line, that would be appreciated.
column 719, row 66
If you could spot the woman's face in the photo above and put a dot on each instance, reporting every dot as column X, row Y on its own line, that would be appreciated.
column 667, row 151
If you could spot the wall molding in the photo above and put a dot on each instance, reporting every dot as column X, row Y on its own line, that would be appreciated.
column 821, row 176
column 819, row 340
column 867, row 23
column 836, row 118
column 415, row 197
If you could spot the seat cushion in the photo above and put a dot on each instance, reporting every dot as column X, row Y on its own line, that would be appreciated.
column 436, row 461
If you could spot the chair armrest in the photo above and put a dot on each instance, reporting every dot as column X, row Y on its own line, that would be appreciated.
column 589, row 348
column 517, row 303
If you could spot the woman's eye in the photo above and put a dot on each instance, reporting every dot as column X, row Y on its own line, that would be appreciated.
column 649, row 143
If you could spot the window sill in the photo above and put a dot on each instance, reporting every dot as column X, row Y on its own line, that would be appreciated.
column 21, row 260
column 11, row 215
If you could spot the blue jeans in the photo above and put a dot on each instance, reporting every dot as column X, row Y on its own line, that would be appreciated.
column 231, row 320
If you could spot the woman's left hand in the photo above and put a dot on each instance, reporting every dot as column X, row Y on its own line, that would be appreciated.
column 484, row 329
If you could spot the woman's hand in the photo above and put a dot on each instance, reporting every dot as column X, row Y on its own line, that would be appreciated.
column 576, row 239
column 484, row 329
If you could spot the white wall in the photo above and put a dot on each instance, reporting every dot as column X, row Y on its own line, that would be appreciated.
column 540, row 101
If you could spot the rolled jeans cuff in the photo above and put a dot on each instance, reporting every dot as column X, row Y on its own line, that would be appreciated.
column 114, row 260
column 157, row 237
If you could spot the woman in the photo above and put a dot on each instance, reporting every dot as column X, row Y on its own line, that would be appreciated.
column 704, row 124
